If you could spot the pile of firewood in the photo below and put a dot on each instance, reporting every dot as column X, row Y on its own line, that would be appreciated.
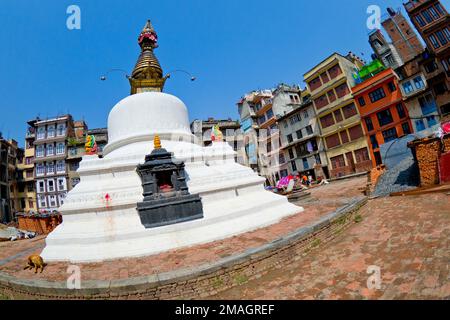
column 427, row 154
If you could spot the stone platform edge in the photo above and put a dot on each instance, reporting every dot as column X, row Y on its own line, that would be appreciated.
column 200, row 281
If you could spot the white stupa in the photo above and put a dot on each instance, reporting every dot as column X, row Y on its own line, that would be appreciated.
column 100, row 217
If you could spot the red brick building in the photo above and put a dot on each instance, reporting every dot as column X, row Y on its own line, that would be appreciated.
column 383, row 113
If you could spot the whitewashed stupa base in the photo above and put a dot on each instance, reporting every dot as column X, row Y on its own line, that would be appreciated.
column 94, row 229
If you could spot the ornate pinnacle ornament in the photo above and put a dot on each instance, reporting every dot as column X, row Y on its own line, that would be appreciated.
column 156, row 142
column 147, row 74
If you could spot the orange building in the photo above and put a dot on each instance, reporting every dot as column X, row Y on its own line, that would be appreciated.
column 383, row 113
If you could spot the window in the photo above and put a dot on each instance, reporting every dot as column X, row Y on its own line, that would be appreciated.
column 51, row 185
column 50, row 168
column 356, row 132
column 390, row 60
column 390, row 134
column 321, row 102
column 314, row 84
column 40, row 151
column 40, row 169
column 344, row 136
column 294, row 166
column 61, row 131
column 369, row 124
column 401, row 111
column 285, row 124
column 361, row 101
column 439, row 8
column 447, row 33
column 406, row 129
column 317, row 158
column 305, row 114
column 377, row 94
column 52, row 201
column 309, row 130
column 431, row 67
column 73, row 151
column 349, row 111
column 42, row 201
column 427, row 16
column 289, row 138
column 269, row 114
column 362, row 155
column 420, row 125
column 418, row 82
column 324, row 77
column 338, row 162
column 51, row 131
column 41, row 186
column 61, row 197
column 327, row 121
column 50, row 150
column 342, row 90
column 420, row 20
column 374, row 141
column 335, row 71
column 434, row 41
column 433, row 13
column 62, row 183
column 427, row 104
column 338, row 116
column 60, row 166
column 74, row 166
column 41, row 133
column 305, row 164
column 407, row 87
column 331, row 95
column 431, row 121
column 291, row 153
column 384, row 117
column 60, row 148
column 332, row 141
column 391, row 86
column 442, row 38
column 299, row 134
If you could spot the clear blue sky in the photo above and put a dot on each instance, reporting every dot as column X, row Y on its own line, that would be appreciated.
column 232, row 46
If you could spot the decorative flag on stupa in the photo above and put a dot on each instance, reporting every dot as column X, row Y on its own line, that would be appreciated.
column 90, row 145
column 216, row 134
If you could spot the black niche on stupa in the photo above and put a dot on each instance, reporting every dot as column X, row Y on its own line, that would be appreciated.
column 166, row 196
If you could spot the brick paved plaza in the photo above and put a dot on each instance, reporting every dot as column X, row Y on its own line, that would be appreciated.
column 407, row 237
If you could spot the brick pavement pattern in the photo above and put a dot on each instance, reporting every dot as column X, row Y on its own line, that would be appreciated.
column 323, row 200
column 407, row 237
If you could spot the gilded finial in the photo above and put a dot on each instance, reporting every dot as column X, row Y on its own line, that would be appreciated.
column 157, row 142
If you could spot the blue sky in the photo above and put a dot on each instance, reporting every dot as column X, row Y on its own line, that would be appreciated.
column 231, row 46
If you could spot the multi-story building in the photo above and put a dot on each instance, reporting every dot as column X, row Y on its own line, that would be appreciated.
column 384, row 50
column 384, row 114
column 418, row 97
column 258, row 112
column 27, row 170
column 302, row 148
column 404, row 39
column 10, row 180
column 340, row 123
column 51, row 170
column 432, row 21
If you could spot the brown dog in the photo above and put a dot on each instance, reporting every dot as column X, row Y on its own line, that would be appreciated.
column 35, row 261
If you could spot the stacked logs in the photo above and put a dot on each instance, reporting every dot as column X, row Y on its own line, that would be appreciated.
column 427, row 153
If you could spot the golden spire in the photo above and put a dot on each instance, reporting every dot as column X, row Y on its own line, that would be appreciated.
column 156, row 142
column 147, row 74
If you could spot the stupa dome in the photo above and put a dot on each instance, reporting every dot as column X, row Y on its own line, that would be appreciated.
column 140, row 116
